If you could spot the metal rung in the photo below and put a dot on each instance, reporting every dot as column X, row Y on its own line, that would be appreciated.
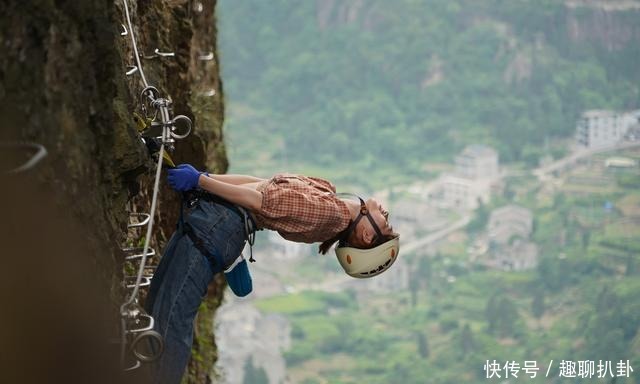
column 147, row 275
column 131, row 69
column 137, row 253
column 146, row 217
column 39, row 153
column 145, row 281
column 164, row 54
column 206, row 57
column 143, row 329
column 134, row 367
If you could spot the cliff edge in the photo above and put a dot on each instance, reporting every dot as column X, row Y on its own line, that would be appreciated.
column 63, row 85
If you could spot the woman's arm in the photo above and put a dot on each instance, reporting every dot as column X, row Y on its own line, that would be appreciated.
column 236, row 179
column 238, row 194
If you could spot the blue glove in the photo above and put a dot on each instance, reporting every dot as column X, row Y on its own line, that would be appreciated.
column 183, row 177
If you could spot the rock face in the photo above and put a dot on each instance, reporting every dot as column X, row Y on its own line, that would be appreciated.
column 607, row 24
column 63, row 85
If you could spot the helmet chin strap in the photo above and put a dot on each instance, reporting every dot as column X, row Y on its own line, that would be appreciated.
column 364, row 212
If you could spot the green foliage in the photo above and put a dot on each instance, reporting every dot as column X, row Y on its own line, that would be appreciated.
column 423, row 345
column 305, row 302
column 502, row 316
column 480, row 218
column 321, row 90
column 537, row 305
column 366, row 100
column 628, row 180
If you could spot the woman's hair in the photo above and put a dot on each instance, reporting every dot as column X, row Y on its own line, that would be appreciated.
column 326, row 245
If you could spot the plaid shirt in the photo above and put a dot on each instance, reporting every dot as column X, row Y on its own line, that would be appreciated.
column 301, row 209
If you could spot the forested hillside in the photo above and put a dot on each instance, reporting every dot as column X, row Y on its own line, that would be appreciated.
column 368, row 93
column 385, row 86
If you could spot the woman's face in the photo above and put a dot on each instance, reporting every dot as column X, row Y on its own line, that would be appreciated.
column 365, row 233
column 380, row 216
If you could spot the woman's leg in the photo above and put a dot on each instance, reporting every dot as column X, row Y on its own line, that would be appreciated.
column 178, row 296
column 184, row 274
column 161, row 270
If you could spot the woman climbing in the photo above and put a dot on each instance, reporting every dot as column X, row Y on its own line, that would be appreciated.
column 220, row 212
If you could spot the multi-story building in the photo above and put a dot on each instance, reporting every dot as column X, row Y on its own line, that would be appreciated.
column 461, row 192
column 476, row 172
column 509, row 221
column 477, row 161
column 600, row 128
column 506, row 244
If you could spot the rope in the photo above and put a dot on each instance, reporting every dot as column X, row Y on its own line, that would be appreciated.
column 149, row 98
column 133, row 41
column 130, row 308
column 145, row 249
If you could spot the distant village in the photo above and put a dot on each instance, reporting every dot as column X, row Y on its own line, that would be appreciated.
column 505, row 243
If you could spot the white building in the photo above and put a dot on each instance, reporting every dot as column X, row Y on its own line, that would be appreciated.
column 506, row 245
column 600, row 128
column 520, row 255
column 460, row 192
column 476, row 173
column 509, row 221
column 477, row 161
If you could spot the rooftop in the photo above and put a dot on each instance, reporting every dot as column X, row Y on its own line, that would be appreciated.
column 475, row 150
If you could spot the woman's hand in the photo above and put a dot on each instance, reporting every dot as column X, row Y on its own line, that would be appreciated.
column 184, row 177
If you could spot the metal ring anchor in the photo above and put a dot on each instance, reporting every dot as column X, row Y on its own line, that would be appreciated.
column 152, row 336
column 147, row 97
column 41, row 153
column 174, row 128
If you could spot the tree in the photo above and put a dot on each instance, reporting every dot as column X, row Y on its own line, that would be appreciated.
column 502, row 316
column 480, row 218
column 423, row 345
column 630, row 268
column 467, row 341
column 491, row 313
column 508, row 317
column 414, row 286
column 537, row 305
column 586, row 236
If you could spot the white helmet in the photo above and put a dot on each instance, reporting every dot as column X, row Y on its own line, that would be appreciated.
column 370, row 262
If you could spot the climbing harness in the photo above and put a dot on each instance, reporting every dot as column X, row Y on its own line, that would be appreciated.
column 136, row 324
column 191, row 198
column 40, row 153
